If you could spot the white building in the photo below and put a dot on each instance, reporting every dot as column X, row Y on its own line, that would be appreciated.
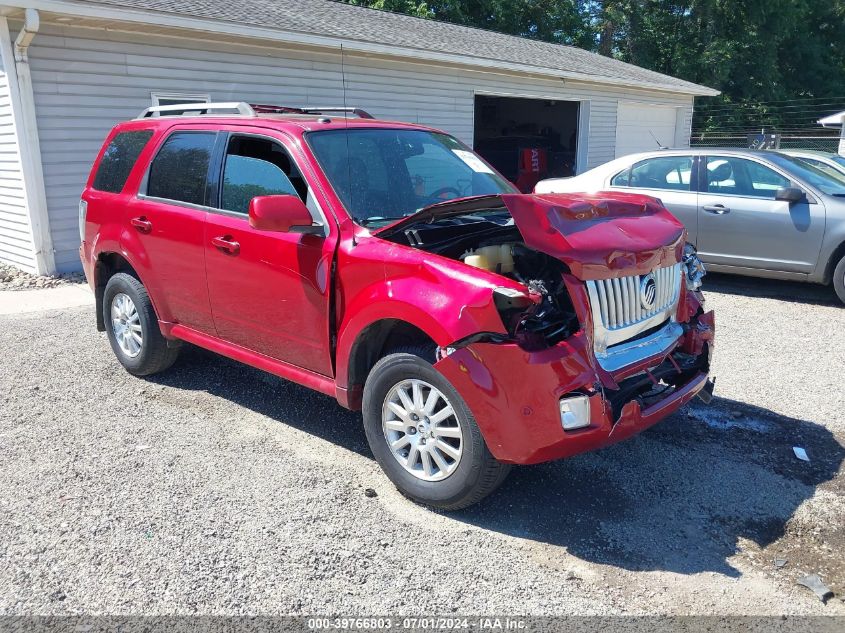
column 71, row 69
column 836, row 121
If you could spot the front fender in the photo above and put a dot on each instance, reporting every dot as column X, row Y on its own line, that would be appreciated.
column 447, row 300
column 830, row 251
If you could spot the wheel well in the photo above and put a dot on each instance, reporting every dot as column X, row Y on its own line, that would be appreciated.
column 107, row 265
column 834, row 260
column 376, row 341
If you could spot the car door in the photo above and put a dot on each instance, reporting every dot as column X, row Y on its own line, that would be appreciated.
column 269, row 291
column 670, row 178
column 742, row 225
column 166, row 227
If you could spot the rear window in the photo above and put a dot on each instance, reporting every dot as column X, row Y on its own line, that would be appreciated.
column 180, row 169
column 119, row 159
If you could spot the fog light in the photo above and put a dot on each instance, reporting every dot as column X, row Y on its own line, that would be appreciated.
column 574, row 412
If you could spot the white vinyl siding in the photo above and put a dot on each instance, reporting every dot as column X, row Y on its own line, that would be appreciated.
column 87, row 80
column 15, row 236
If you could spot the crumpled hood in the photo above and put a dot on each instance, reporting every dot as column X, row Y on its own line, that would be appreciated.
column 598, row 234
column 595, row 235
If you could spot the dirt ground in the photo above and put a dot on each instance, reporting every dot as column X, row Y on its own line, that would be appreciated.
column 216, row 489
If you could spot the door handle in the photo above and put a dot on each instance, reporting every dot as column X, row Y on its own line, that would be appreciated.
column 142, row 224
column 718, row 209
column 226, row 244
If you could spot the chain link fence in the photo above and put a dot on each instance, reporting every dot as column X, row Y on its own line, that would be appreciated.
column 822, row 142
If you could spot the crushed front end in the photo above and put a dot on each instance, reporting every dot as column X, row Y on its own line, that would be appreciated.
column 609, row 352
column 583, row 393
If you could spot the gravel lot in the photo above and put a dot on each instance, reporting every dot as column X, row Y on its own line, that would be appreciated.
column 217, row 489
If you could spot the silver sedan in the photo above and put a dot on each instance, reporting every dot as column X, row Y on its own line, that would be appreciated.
column 758, row 213
column 828, row 162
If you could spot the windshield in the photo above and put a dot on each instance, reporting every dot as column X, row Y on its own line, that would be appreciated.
column 834, row 171
column 381, row 174
column 809, row 174
column 839, row 160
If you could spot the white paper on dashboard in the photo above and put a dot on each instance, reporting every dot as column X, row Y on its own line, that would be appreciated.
column 473, row 162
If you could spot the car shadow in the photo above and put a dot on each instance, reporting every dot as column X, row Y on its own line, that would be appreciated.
column 678, row 497
column 278, row 399
column 793, row 291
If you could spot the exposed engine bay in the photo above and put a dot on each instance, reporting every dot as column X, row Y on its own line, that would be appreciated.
column 493, row 243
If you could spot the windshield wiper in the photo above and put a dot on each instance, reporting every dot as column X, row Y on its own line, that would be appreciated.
column 373, row 220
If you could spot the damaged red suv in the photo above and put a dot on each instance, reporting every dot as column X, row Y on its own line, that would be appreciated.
column 390, row 267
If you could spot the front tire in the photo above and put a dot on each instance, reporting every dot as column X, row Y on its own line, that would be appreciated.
column 132, row 327
column 424, row 436
column 839, row 279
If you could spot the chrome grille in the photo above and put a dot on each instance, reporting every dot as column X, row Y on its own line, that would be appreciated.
column 617, row 302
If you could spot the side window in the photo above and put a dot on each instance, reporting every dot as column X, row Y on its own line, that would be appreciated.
column 622, row 179
column 118, row 160
column 257, row 167
column 764, row 181
column 741, row 177
column 672, row 173
column 720, row 176
column 180, row 169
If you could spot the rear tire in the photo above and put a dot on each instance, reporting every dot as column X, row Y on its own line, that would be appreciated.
column 839, row 279
column 132, row 327
column 460, row 471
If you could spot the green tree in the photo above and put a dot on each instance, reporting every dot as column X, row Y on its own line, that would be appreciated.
column 761, row 54
column 409, row 7
column 549, row 20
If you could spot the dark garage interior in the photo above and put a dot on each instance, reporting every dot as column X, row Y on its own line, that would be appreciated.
column 527, row 139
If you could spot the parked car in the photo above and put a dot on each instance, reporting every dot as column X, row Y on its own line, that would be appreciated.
column 491, row 329
column 832, row 164
column 759, row 213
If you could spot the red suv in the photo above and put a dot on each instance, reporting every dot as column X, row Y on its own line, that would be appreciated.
column 387, row 265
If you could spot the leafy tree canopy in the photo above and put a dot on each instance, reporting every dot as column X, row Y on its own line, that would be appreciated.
column 778, row 63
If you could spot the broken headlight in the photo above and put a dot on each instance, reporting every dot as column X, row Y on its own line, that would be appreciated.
column 693, row 267
column 537, row 320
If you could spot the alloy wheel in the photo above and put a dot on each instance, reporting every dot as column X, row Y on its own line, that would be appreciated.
column 422, row 430
column 126, row 325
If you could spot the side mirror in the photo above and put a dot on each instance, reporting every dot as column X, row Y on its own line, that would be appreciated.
column 790, row 195
column 285, row 213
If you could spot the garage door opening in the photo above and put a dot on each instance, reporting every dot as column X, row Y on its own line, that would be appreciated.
column 527, row 139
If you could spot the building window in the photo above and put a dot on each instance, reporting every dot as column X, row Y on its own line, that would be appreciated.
column 174, row 98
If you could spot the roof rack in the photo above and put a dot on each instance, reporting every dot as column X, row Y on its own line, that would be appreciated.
column 361, row 114
column 277, row 109
column 244, row 109
column 179, row 109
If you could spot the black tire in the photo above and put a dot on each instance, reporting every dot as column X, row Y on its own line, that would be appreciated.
column 477, row 474
column 154, row 354
column 839, row 279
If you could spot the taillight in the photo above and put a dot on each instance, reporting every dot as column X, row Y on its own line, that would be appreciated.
column 83, row 211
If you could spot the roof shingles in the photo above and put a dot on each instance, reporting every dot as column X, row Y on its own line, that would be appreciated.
column 328, row 18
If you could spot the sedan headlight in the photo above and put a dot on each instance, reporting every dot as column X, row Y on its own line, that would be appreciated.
column 693, row 267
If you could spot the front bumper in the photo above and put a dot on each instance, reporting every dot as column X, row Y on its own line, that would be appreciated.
column 514, row 394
